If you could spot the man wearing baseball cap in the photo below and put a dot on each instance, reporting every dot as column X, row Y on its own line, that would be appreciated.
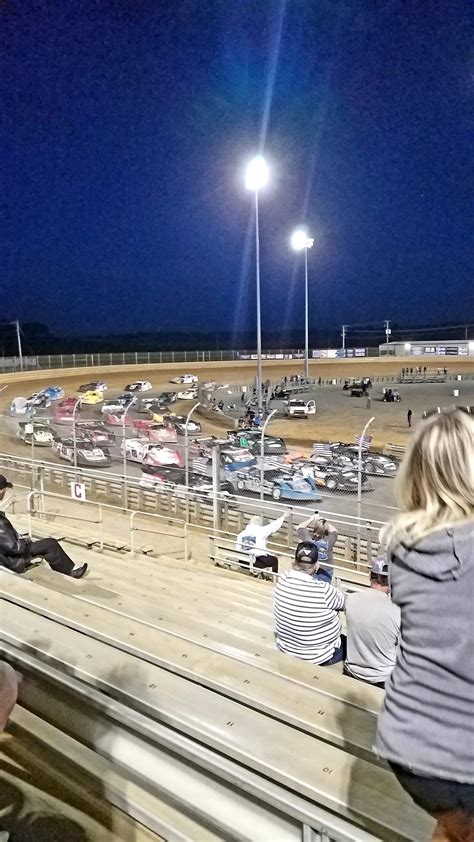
column 17, row 553
column 307, row 623
column 373, row 627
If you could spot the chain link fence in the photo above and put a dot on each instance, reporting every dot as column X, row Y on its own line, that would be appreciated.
column 56, row 361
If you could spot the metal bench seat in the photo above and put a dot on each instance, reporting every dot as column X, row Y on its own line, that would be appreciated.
column 328, row 775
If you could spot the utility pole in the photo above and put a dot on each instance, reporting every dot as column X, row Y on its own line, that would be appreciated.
column 387, row 332
column 18, row 338
column 343, row 334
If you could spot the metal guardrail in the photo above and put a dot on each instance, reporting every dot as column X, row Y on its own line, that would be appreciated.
column 176, row 505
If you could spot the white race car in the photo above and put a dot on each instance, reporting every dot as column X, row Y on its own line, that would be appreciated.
column 36, row 432
column 20, row 406
column 188, row 395
column 185, row 379
column 113, row 405
column 139, row 386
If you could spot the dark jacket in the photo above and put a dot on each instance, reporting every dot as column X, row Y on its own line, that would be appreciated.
column 14, row 550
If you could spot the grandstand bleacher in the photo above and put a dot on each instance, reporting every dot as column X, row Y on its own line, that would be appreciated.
column 175, row 658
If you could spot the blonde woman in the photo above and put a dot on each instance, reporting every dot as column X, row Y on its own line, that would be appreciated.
column 426, row 727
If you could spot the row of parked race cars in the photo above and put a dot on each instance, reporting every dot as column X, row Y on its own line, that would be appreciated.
column 331, row 467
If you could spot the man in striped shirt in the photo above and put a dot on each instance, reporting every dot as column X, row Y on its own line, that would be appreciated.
column 307, row 623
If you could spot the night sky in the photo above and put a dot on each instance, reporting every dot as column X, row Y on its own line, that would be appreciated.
column 127, row 124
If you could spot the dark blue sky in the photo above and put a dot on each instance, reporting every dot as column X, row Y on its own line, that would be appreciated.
column 126, row 127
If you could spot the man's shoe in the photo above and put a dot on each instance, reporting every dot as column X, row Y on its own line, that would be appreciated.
column 79, row 572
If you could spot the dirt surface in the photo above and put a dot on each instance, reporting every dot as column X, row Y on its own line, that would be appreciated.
column 339, row 417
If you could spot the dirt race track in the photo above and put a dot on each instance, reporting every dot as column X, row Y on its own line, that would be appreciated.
column 339, row 417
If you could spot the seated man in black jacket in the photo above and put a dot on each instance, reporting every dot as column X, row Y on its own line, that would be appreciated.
column 17, row 553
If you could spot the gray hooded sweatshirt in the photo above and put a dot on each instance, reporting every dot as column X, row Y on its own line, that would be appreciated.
column 427, row 719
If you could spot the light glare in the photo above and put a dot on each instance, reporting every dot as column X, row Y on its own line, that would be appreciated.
column 257, row 173
column 300, row 240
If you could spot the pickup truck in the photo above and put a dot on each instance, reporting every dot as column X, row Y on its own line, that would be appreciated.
column 300, row 408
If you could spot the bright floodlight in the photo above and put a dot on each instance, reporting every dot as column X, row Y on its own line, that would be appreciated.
column 407, row 346
column 257, row 173
column 300, row 240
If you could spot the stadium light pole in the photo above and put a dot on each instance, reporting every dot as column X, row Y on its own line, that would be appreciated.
column 262, row 452
column 301, row 242
column 256, row 177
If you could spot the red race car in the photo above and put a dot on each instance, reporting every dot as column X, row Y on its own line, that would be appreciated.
column 117, row 420
column 63, row 411
column 155, row 432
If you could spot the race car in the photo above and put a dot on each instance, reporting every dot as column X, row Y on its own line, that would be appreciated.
column 39, row 400
column 188, row 395
column 211, row 385
column 231, row 459
column 38, row 433
column 117, row 419
column 63, row 412
column 96, row 433
column 55, row 393
column 179, row 423
column 272, row 445
column 159, row 477
column 375, row 464
column 20, row 406
column 118, row 404
column 139, row 450
column 160, row 416
column 166, row 397
column 91, row 398
column 95, row 386
column 144, row 404
column 86, row 454
column 139, row 386
column 185, row 378
column 281, row 485
column 331, row 476
column 155, row 432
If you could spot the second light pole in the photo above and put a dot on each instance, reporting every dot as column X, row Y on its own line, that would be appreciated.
column 256, row 177
column 301, row 242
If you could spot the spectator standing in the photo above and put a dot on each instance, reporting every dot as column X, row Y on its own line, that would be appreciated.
column 307, row 623
column 373, row 628
column 409, row 417
column 17, row 553
column 324, row 535
column 368, row 402
column 425, row 727
column 253, row 541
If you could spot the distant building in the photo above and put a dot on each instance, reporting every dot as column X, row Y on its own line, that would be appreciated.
column 448, row 348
